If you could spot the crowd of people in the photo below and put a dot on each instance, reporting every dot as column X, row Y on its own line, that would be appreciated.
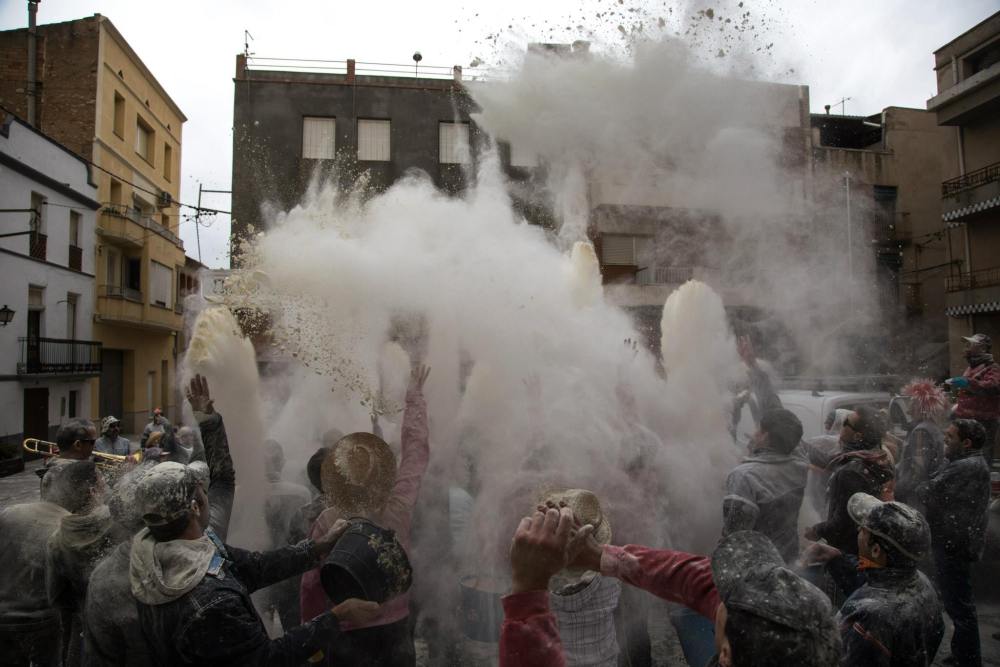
column 128, row 563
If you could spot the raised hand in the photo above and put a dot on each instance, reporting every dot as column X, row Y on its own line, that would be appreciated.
column 418, row 376
column 198, row 395
column 744, row 346
column 538, row 550
column 356, row 612
column 323, row 545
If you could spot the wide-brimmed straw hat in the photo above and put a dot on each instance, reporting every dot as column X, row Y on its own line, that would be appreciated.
column 586, row 508
column 359, row 473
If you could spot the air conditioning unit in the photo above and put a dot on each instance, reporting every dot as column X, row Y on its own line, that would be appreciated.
column 164, row 200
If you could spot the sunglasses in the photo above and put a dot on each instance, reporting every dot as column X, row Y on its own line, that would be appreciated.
column 90, row 440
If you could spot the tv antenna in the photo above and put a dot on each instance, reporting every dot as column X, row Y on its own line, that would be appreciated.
column 247, row 38
column 843, row 105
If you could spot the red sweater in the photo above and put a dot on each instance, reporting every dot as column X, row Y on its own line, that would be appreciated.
column 530, row 636
column 982, row 398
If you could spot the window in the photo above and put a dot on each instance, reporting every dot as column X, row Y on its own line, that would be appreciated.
column 113, row 276
column 620, row 249
column 318, row 138
column 144, row 139
column 119, row 121
column 38, row 215
column 116, row 192
column 133, row 278
column 168, row 161
column 453, row 143
column 71, row 300
column 72, row 404
column 161, row 282
column 522, row 156
column 373, row 140
column 36, row 306
column 74, row 229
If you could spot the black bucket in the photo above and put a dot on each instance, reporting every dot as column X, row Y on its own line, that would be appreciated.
column 482, row 611
column 367, row 563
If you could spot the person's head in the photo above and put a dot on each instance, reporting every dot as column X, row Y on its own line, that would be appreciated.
column 172, row 501
column 359, row 473
column 111, row 427
column 769, row 615
column 963, row 435
column 976, row 345
column 780, row 431
column 76, row 439
column 158, row 416
column 154, row 440
column 274, row 460
column 890, row 534
column 862, row 429
column 927, row 400
column 77, row 487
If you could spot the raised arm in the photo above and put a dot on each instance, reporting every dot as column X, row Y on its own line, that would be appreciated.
column 222, row 474
column 415, row 447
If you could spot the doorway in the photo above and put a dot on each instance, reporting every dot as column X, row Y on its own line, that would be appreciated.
column 112, row 383
column 36, row 413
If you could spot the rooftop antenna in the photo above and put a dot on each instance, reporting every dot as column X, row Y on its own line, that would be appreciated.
column 843, row 105
column 247, row 37
column 416, row 62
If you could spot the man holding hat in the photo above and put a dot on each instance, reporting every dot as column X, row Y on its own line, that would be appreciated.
column 893, row 616
column 764, row 613
column 111, row 441
column 193, row 592
column 979, row 389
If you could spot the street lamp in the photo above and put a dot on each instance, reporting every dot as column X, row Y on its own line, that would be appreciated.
column 6, row 315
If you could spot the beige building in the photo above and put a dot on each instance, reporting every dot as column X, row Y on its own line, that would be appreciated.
column 968, row 104
column 100, row 100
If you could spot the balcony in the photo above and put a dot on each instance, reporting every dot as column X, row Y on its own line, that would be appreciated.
column 76, row 258
column 38, row 244
column 971, row 194
column 664, row 275
column 126, row 226
column 974, row 280
column 57, row 356
column 124, row 306
column 970, row 100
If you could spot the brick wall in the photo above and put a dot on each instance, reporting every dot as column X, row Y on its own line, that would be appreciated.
column 67, row 74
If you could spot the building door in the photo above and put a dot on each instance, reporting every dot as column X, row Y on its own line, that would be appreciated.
column 112, row 382
column 36, row 413
column 34, row 342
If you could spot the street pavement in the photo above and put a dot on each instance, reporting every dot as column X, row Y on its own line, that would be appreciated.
column 23, row 488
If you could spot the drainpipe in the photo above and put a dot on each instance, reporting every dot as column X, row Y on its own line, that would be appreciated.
column 32, row 87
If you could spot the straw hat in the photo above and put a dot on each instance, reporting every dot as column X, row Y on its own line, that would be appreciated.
column 359, row 473
column 586, row 508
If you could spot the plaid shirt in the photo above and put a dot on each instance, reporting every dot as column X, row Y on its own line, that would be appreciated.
column 587, row 623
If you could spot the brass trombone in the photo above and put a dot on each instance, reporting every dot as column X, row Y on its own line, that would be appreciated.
column 102, row 459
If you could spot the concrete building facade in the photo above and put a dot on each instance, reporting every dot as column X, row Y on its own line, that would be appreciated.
column 98, row 98
column 48, row 355
column 968, row 106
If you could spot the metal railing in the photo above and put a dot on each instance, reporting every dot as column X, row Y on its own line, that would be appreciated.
column 146, row 222
column 664, row 275
column 121, row 292
column 988, row 174
column 38, row 244
column 974, row 279
column 362, row 68
column 58, row 356
column 76, row 258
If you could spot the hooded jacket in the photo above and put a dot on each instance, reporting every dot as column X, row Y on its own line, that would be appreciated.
column 25, row 531
column 922, row 457
column 957, row 498
column 862, row 470
column 195, row 609
column 981, row 399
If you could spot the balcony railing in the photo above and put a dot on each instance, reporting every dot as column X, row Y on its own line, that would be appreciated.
column 664, row 275
column 121, row 292
column 973, row 179
column 76, row 258
column 39, row 242
column 58, row 356
column 146, row 222
column 981, row 278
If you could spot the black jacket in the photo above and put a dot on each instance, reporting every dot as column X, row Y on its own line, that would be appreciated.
column 957, row 498
column 892, row 618
column 216, row 623
column 856, row 471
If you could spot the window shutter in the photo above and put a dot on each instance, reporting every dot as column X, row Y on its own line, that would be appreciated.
column 618, row 249
column 319, row 138
column 162, row 280
column 373, row 140
column 453, row 145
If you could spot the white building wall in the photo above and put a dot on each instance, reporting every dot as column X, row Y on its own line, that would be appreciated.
column 18, row 271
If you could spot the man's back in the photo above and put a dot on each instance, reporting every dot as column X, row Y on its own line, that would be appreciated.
column 25, row 531
column 764, row 493
column 893, row 619
column 112, row 630
column 957, row 499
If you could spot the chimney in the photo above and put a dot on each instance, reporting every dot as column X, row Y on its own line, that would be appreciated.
column 241, row 65
column 350, row 70
column 456, row 73
column 32, row 87
column 827, row 107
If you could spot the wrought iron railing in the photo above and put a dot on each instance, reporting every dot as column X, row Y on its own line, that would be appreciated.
column 974, row 279
column 121, row 292
column 988, row 174
column 664, row 275
column 58, row 356
column 144, row 221
column 39, row 242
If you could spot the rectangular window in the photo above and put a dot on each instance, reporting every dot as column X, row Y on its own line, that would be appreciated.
column 168, row 161
column 161, row 281
column 38, row 212
column 113, row 277
column 36, row 297
column 373, row 140
column 74, row 229
column 620, row 249
column 133, row 278
column 318, row 138
column 72, row 404
column 145, row 139
column 453, row 143
column 116, row 192
column 119, row 121
column 71, row 300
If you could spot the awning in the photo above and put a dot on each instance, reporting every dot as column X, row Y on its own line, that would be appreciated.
column 960, row 213
column 973, row 309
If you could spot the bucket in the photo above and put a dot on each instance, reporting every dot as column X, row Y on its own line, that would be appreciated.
column 367, row 563
column 482, row 612
column 696, row 635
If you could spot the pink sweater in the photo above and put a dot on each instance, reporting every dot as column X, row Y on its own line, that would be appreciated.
column 397, row 515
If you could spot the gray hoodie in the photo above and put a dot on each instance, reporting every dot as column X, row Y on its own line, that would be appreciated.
column 161, row 572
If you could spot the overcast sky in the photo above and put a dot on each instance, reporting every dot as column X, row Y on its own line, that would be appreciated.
column 877, row 52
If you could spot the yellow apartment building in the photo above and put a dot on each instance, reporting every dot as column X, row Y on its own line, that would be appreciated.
column 98, row 98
